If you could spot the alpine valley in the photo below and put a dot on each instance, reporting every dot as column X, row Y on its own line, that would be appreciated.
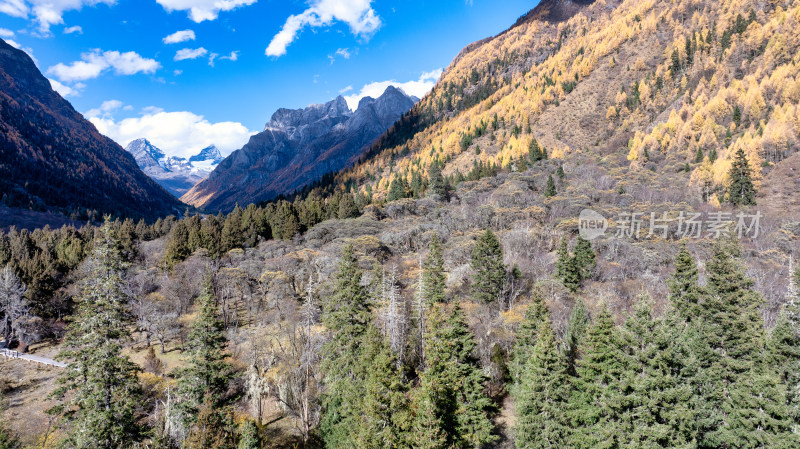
column 176, row 174
column 585, row 234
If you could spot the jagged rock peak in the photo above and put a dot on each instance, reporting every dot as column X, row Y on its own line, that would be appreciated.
column 285, row 118
column 209, row 153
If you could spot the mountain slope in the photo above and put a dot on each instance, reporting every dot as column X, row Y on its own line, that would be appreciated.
column 638, row 87
column 296, row 148
column 176, row 174
column 51, row 158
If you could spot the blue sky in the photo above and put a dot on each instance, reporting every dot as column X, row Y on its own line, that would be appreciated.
column 187, row 73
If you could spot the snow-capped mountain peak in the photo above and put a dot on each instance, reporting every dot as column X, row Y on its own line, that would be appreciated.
column 174, row 173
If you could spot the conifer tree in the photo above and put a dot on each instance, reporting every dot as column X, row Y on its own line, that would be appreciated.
column 784, row 356
column 346, row 315
column 436, row 183
column 741, row 192
column 597, row 400
column 206, row 378
column 178, row 246
column 684, row 291
column 567, row 268
column 347, row 207
column 736, row 387
column 213, row 429
column 575, row 335
column 433, row 275
column 452, row 385
column 232, row 236
column 585, row 260
column 550, row 188
column 397, row 189
column 527, row 337
column 385, row 416
column 488, row 267
column 656, row 393
column 99, row 389
column 560, row 172
column 562, row 258
column 543, row 396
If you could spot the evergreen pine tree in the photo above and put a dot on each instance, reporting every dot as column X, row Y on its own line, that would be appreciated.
column 178, row 246
column 575, row 335
column 99, row 389
column 526, row 338
column 567, row 268
column 347, row 207
column 597, row 402
column 205, row 379
column 346, row 315
column 385, row 416
column 452, row 385
column 737, row 389
column 656, row 393
column 488, row 267
column 433, row 275
column 585, row 260
column 560, row 172
column 783, row 350
column 436, row 183
column 397, row 189
column 684, row 291
column 213, row 429
column 543, row 396
column 550, row 188
column 232, row 236
column 741, row 192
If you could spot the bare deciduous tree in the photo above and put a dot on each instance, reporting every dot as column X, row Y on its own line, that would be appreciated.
column 13, row 304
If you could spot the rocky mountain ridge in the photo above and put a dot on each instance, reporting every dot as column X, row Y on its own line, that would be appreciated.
column 174, row 173
column 53, row 160
column 296, row 148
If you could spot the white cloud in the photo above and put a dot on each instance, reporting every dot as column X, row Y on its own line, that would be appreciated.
column 14, row 8
column 66, row 91
column 73, row 29
column 180, row 36
column 94, row 63
column 416, row 88
column 106, row 109
column 358, row 14
column 346, row 89
column 190, row 53
column 6, row 33
column 343, row 52
column 200, row 10
column 212, row 57
column 46, row 12
column 179, row 133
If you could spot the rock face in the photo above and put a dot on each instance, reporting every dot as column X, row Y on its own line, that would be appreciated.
column 176, row 174
column 296, row 148
column 52, row 159
column 554, row 11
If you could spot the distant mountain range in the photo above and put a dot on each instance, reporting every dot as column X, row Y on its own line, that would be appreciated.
column 54, row 160
column 176, row 174
column 296, row 148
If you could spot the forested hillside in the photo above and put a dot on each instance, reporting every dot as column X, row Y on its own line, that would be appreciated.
column 448, row 291
column 53, row 160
